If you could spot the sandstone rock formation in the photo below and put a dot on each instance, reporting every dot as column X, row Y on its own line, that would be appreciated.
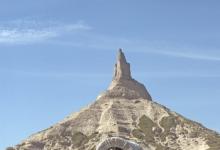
column 124, row 118
column 123, row 85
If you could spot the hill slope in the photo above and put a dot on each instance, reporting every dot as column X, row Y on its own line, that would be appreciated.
column 125, row 110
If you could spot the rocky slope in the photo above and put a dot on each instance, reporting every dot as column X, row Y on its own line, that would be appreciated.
column 125, row 110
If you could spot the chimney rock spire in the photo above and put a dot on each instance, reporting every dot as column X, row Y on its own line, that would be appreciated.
column 122, row 68
column 123, row 85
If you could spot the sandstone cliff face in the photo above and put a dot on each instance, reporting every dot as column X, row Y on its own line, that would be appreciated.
column 123, row 85
column 124, row 112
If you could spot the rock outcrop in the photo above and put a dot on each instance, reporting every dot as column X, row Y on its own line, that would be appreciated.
column 123, row 85
column 124, row 117
column 122, row 68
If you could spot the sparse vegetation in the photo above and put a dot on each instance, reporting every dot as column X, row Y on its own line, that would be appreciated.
column 160, row 147
column 194, row 134
column 79, row 139
column 146, row 125
column 138, row 134
column 213, row 141
column 38, row 144
column 167, row 123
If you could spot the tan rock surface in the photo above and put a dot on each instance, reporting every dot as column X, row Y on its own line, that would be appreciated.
column 125, row 110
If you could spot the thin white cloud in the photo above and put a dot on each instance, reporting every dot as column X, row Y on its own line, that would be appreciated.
column 101, row 42
column 25, row 32
column 164, row 48
column 177, row 74
column 185, row 54
column 31, row 31
column 16, row 36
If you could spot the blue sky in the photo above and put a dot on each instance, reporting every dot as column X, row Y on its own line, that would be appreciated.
column 57, row 56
